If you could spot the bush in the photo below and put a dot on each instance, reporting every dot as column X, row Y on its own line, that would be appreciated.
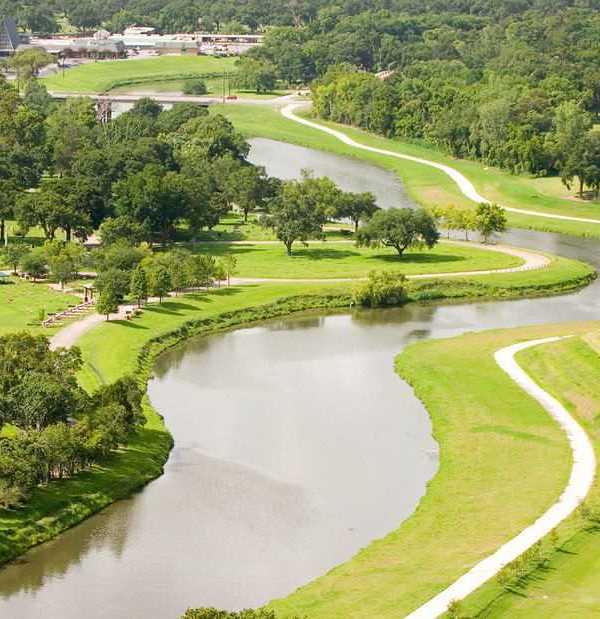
column 214, row 613
column 195, row 87
column 382, row 288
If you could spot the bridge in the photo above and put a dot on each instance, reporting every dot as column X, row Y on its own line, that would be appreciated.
column 159, row 98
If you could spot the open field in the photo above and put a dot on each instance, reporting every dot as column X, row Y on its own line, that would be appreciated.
column 214, row 85
column 103, row 76
column 328, row 260
column 426, row 185
column 21, row 303
column 568, row 584
column 493, row 480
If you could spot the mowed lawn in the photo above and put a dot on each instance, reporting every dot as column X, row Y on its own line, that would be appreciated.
column 21, row 303
column 570, row 584
column 104, row 76
column 503, row 462
column 345, row 260
column 426, row 185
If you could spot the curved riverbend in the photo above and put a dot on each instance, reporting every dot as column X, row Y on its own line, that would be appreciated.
column 144, row 557
column 463, row 183
column 582, row 477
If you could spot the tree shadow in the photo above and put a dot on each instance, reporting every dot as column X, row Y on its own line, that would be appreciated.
column 417, row 258
column 128, row 323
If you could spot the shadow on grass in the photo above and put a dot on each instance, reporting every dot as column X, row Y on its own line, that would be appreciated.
column 417, row 258
column 128, row 323
column 503, row 430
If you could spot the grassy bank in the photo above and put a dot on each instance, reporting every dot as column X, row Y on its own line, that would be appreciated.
column 493, row 481
column 323, row 260
column 567, row 585
column 103, row 76
column 21, row 303
column 426, row 185
column 117, row 348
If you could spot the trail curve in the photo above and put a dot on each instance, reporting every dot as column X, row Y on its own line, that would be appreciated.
column 580, row 482
column 464, row 184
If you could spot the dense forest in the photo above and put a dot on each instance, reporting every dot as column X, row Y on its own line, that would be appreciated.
column 515, row 83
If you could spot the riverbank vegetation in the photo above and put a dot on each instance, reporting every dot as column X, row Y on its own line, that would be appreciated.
column 477, row 500
column 429, row 187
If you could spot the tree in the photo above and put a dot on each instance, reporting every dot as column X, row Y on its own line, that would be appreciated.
column 489, row 218
column 202, row 270
column 14, row 254
column 148, row 107
column 28, row 62
column 154, row 198
column 108, row 302
column 160, row 282
column 257, row 75
column 356, row 206
column 399, row 228
column 139, row 284
column 115, row 281
column 123, row 228
column 229, row 262
column 34, row 263
column 300, row 210
column 171, row 120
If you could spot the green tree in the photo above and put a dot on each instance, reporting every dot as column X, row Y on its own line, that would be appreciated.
column 229, row 262
column 34, row 263
column 399, row 228
column 108, row 302
column 14, row 254
column 195, row 87
column 160, row 282
column 28, row 62
column 356, row 207
column 202, row 270
column 139, row 284
column 257, row 75
column 381, row 288
column 300, row 210
column 489, row 219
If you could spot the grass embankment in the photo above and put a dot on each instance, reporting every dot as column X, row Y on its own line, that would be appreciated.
column 117, row 348
column 103, row 76
column 21, row 303
column 503, row 462
column 567, row 586
column 426, row 185
column 328, row 260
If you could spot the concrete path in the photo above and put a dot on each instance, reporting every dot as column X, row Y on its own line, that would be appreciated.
column 580, row 482
column 531, row 261
column 464, row 184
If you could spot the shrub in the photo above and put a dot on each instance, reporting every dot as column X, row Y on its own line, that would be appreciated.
column 382, row 288
column 195, row 87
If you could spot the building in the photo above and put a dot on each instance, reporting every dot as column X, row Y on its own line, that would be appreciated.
column 9, row 39
column 227, row 44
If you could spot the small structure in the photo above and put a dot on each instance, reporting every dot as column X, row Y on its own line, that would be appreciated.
column 4, row 277
column 9, row 39
column 103, row 111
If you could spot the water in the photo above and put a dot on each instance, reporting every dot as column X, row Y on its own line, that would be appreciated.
column 296, row 445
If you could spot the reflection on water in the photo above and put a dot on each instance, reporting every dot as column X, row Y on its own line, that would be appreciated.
column 287, row 161
column 296, row 445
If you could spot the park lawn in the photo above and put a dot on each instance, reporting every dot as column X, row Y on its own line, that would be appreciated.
column 103, row 76
column 343, row 259
column 22, row 301
column 568, row 586
column 426, row 185
column 494, row 479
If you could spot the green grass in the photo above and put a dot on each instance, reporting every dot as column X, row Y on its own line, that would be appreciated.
column 21, row 302
column 104, row 76
column 426, row 185
column 568, row 585
column 214, row 85
column 494, row 479
column 330, row 260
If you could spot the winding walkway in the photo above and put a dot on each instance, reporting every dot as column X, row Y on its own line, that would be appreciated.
column 531, row 261
column 580, row 482
column 464, row 184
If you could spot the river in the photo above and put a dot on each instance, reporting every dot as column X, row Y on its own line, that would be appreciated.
column 295, row 446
